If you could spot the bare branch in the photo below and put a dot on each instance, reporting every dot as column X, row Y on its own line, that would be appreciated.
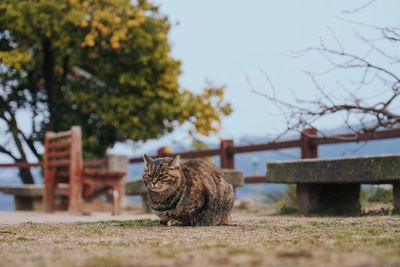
column 359, row 8
column 304, row 113
column 7, row 152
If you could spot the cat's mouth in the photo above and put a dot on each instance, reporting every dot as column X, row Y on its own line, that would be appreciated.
column 158, row 189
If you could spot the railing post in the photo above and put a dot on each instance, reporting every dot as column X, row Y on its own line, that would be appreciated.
column 49, row 179
column 75, row 171
column 306, row 198
column 227, row 157
column 308, row 150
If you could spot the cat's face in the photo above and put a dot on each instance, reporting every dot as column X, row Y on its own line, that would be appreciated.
column 161, row 175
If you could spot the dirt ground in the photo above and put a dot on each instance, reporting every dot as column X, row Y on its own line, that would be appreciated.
column 255, row 239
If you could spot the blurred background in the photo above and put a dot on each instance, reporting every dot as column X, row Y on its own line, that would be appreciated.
column 142, row 75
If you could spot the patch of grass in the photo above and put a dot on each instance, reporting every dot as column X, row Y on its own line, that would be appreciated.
column 287, row 210
column 294, row 254
column 374, row 231
column 342, row 236
column 327, row 224
column 394, row 253
column 233, row 251
column 97, row 232
column 229, row 250
column 213, row 246
column 295, row 227
column 130, row 223
column 25, row 239
column 104, row 261
column 164, row 253
column 388, row 241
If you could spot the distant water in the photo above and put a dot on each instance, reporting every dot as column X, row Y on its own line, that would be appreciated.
column 250, row 163
column 10, row 176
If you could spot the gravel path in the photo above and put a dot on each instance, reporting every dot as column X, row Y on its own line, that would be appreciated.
column 255, row 239
column 16, row 217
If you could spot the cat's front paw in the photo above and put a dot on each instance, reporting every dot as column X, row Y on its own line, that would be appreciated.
column 174, row 223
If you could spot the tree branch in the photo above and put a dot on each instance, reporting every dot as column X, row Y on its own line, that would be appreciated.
column 7, row 152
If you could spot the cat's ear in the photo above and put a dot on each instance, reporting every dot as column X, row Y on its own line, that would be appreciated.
column 147, row 160
column 175, row 163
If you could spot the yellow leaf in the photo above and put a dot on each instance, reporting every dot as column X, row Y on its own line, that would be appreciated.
column 95, row 24
column 84, row 23
column 15, row 58
column 90, row 43
column 117, row 20
column 114, row 39
column 133, row 23
column 115, row 45
column 89, row 40
column 185, row 113
column 207, row 112
column 85, row 4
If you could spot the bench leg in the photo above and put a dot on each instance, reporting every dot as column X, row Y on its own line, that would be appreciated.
column 145, row 204
column 328, row 198
column 396, row 198
column 75, row 195
column 23, row 203
column 49, row 191
column 306, row 198
column 28, row 203
column 118, row 193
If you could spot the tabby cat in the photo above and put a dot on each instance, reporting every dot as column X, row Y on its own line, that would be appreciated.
column 192, row 193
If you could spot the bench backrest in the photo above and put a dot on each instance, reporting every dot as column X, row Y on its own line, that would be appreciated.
column 63, row 155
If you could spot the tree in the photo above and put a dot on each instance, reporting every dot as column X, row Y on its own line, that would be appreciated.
column 375, row 68
column 105, row 65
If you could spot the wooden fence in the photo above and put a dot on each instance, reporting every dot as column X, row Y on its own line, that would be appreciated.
column 308, row 144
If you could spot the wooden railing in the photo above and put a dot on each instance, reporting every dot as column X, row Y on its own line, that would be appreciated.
column 308, row 144
column 26, row 165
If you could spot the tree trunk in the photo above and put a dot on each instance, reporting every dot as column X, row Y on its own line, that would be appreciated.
column 49, row 80
column 26, row 176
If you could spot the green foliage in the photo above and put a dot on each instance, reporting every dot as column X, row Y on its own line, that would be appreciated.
column 287, row 210
column 376, row 194
column 104, row 65
column 286, row 202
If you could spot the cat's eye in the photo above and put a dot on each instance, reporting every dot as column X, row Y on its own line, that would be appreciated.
column 164, row 177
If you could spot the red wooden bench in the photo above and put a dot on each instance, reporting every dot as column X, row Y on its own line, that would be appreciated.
column 64, row 173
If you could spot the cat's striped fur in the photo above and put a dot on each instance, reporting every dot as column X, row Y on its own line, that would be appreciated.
column 194, row 193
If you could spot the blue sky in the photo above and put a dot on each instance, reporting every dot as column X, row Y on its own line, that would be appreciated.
column 223, row 41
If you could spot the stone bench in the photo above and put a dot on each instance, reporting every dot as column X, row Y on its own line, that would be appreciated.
column 333, row 185
column 26, row 197
column 30, row 197
column 136, row 188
